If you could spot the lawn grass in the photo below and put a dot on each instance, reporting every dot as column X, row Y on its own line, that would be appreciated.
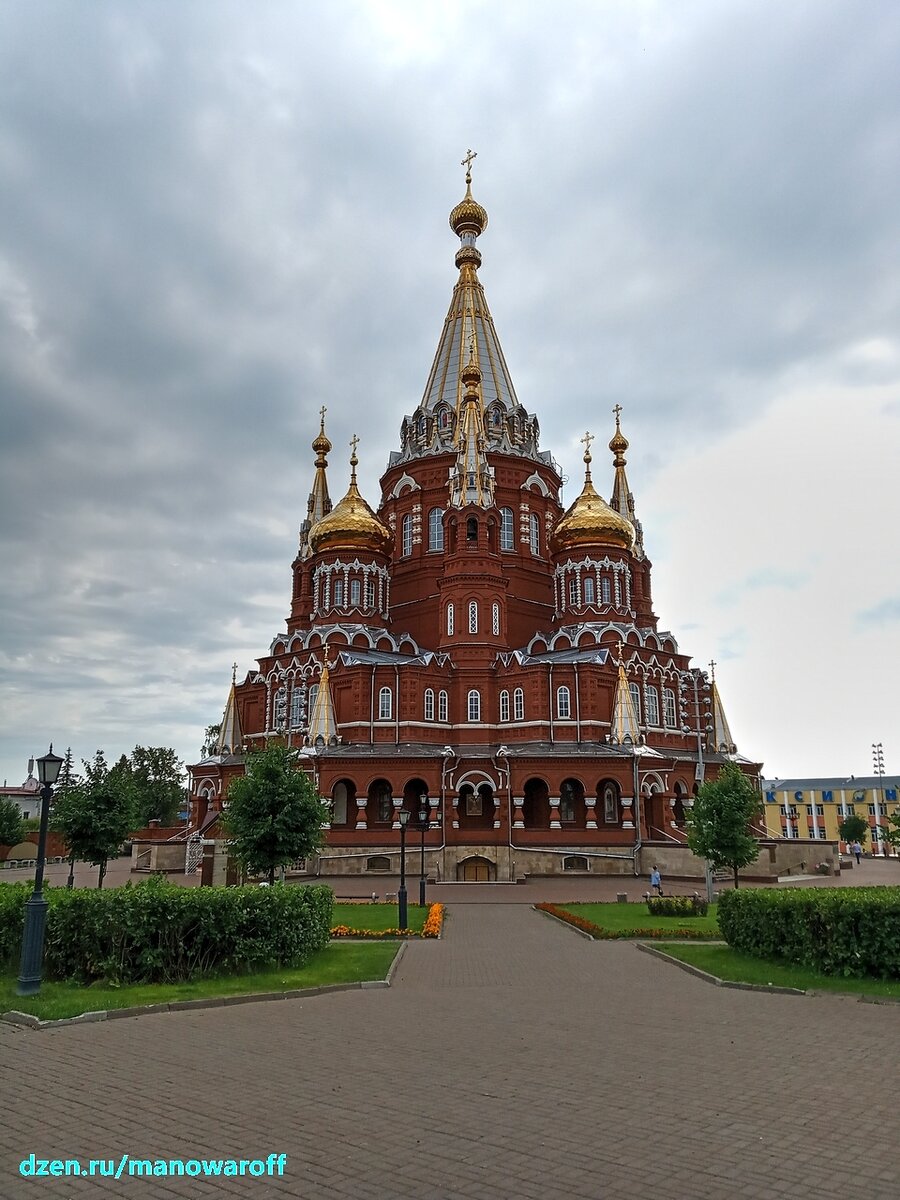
column 726, row 963
column 636, row 916
column 337, row 963
column 377, row 916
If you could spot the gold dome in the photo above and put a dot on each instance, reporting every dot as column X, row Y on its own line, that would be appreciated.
column 468, row 216
column 590, row 521
column 351, row 524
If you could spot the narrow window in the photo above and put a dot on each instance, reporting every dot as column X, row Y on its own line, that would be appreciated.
column 604, row 589
column 573, row 592
column 567, row 801
column 407, row 535
column 370, row 593
column 429, row 704
column 562, row 703
column 338, row 593
column 504, row 706
column 535, row 534
column 610, row 804
column 588, row 586
column 385, row 704
column 652, row 706
column 507, row 531
column 635, row 700
column 313, row 694
column 473, row 616
column 435, row 529
column 519, row 705
column 354, row 593
column 442, row 706
column 474, row 705
column 472, row 522
column 495, row 620
column 669, row 708
column 450, row 621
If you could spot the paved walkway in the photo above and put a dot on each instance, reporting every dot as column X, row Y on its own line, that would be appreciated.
column 511, row 1059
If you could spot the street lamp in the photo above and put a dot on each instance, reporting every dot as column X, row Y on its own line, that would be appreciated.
column 403, row 918
column 880, row 806
column 32, row 960
column 423, row 825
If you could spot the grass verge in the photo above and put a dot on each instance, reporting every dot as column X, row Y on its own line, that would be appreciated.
column 634, row 920
column 337, row 963
column 377, row 917
column 725, row 963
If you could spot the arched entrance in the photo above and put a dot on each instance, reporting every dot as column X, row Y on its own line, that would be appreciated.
column 536, row 804
column 476, row 870
column 476, row 805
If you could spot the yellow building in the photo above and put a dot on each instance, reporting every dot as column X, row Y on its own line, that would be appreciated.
column 814, row 808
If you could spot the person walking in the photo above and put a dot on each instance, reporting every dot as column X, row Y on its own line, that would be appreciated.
column 656, row 880
column 857, row 850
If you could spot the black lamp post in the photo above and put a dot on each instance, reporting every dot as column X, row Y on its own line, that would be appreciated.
column 402, row 917
column 32, row 961
column 423, row 825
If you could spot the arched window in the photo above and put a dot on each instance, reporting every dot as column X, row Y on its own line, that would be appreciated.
column 669, row 709
column 444, row 419
column 535, row 533
column 378, row 862
column 562, row 703
column 338, row 593
column 472, row 529
column 385, row 704
column 450, row 620
column 298, row 697
column 429, row 704
column 518, row 705
column 568, row 794
column 435, row 529
column 370, row 593
column 507, row 530
column 423, row 426
column 652, row 706
column 504, row 706
column 610, row 797
column 354, row 593
column 495, row 619
column 473, row 616
column 407, row 535
column 604, row 589
column 588, row 588
column 635, row 700
column 575, row 862
column 474, row 705
column 573, row 592
column 442, row 706
column 339, row 804
column 311, row 701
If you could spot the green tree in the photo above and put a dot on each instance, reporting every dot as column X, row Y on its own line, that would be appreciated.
column 68, row 781
column 890, row 831
column 96, row 816
column 273, row 813
column 854, row 829
column 720, row 819
column 210, row 740
column 11, row 828
column 158, row 777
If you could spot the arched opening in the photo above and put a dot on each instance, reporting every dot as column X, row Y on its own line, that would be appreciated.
column 571, row 803
column 476, row 806
column 608, row 808
column 380, row 803
column 378, row 862
column 536, row 805
column 343, row 802
column 472, row 529
column 476, row 870
column 413, row 792
column 679, row 813
column 575, row 862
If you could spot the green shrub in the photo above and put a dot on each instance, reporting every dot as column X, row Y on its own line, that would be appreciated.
column 677, row 906
column 838, row 931
column 12, row 920
column 159, row 932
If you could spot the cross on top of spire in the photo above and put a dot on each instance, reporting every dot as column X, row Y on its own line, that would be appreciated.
column 470, row 157
column 617, row 409
column 354, row 442
column 587, row 439
column 712, row 668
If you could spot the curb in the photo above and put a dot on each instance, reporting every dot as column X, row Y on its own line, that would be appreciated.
column 28, row 1021
column 715, row 980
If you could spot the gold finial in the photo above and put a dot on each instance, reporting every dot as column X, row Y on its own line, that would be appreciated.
column 470, row 157
column 233, row 674
column 618, row 443
column 354, row 442
column 468, row 218
column 587, row 439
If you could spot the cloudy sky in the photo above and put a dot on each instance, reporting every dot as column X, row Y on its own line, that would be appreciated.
column 216, row 217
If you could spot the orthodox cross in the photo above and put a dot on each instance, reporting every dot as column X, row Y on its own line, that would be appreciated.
column 712, row 667
column 587, row 439
column 617, row 409
column 322, row 411
column 354, row 442
column 233, row 674
column 471, row 155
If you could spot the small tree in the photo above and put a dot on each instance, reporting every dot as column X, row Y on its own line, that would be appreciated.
column 11, row 828
column 210, row 740
column 854, row 829
column 158, row 783
column 273, row 813
column 720, row 818
column 68, row 781
column 890, row 831
column 96, row 816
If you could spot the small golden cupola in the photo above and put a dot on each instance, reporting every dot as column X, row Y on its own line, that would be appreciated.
column 351, row 524
column 590, row 521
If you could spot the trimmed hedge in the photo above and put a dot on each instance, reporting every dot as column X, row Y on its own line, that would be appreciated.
column 852, row 932
column 159, row 932
column 677, row 906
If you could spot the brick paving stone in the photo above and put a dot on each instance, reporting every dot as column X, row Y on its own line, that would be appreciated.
column 509, row 1059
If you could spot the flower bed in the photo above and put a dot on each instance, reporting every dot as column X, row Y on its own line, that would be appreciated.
column 597, row 931
column 431, row 929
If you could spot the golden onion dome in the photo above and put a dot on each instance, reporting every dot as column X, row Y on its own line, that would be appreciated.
column 618, row 443
column 351, row 524
column 468, row 216
column 590, row 521
column 321, row 444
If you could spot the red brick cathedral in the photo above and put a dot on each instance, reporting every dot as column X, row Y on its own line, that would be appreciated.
column 475, row 651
